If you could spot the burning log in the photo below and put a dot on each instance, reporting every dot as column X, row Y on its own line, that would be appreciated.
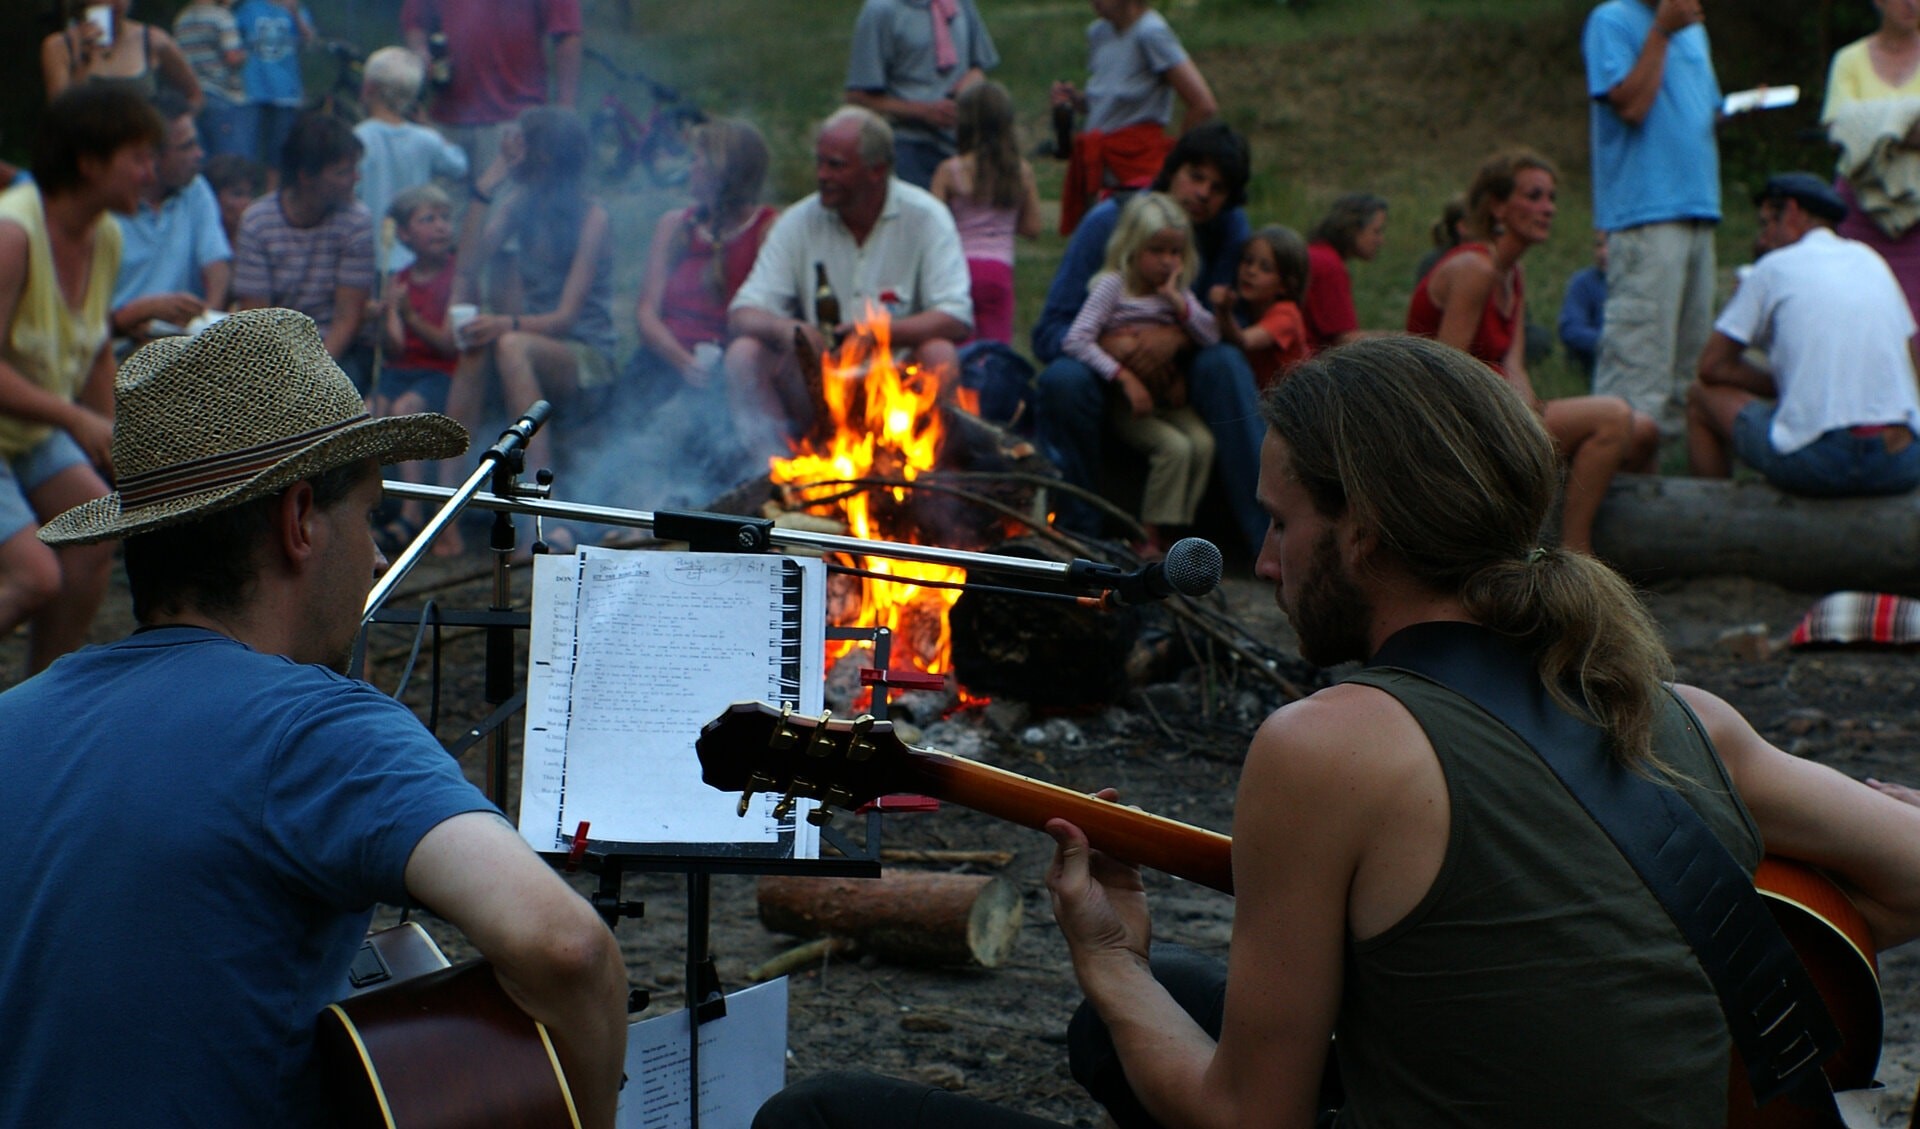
column 909, row 917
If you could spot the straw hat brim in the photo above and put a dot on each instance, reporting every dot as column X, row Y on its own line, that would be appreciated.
column 390, row 439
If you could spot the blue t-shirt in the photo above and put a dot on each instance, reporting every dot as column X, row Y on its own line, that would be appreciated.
column 195, row 835
column 1217, row 241
column 165, row 250
column 271, row 73
column 1667, row 167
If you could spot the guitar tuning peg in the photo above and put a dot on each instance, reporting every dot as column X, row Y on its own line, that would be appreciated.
column 859, row 748
column 839, row 797
column 783, row 808
column 784, row 735
column 821, row 744
column 820, row 816
column 746, row 801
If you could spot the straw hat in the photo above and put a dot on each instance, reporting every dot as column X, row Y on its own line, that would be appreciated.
column 248, row 407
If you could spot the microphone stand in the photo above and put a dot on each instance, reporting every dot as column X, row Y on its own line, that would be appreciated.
column 754, row 534
column 499, row 470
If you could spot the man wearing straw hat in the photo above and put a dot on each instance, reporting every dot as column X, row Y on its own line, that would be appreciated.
column 199, row 818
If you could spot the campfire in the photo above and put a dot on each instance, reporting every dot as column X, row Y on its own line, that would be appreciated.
column 876, row 423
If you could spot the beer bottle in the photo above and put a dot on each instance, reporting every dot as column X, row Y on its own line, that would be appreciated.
column 826, row 306
column 439, row 62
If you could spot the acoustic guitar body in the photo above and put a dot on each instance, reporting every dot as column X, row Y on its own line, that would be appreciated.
column 1832, row 941
column 447, row 1049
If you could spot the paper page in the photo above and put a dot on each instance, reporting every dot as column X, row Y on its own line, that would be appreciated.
column 550, row 646
column 1759, row 98
column 658, row 645
column 743, row 1062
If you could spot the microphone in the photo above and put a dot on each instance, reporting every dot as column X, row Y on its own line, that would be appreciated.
column 1192, row 568
column 522, row 430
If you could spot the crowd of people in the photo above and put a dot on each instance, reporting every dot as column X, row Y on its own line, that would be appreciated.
column 1406, row 866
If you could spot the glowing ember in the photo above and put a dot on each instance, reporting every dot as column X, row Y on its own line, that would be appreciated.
column 885, row 426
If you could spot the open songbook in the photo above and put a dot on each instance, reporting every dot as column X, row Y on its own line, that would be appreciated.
column 630, row 654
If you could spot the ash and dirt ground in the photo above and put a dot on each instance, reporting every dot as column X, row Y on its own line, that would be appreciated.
column 999, row 1034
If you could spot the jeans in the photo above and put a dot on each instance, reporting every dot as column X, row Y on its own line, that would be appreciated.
column 1071, row 404
column 1839, row 464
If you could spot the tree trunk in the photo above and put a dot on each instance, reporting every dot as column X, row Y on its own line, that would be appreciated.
column 1668, row 528
column 908, row 917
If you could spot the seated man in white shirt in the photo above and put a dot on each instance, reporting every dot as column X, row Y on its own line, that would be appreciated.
column 1836, row 415
column 880, row 241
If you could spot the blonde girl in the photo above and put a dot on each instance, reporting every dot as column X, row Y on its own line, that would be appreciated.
column 1150, row 260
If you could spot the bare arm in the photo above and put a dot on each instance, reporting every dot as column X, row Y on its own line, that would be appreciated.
column 349, row 306
column 1308, row 778
column 937, row 114
column 173, row 67
column 1027, row 224
column 1633, row 96
column 55, row 70
column 567, row 52
column 653, row 290
column 1722, row 363
column 928, row 325
column 1195, row 94
column 1809, row 812
column 215, row 278
column 549, row 949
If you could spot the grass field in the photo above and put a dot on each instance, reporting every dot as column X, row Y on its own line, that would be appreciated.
column 1399, row 97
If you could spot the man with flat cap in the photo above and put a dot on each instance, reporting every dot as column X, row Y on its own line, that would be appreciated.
column 199, row 818
column 1835, row 411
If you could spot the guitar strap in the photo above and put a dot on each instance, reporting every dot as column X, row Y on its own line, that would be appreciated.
column 1774, row 1013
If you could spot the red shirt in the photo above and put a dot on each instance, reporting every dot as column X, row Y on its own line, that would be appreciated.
column 429, row 302
column 497, row 50
column 1329, row 304
column 691, row 309
column 1493, row 336
column 1284, row 322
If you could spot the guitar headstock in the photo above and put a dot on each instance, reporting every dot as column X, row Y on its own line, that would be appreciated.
column 753, row 747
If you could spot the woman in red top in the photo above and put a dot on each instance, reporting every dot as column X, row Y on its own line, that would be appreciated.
column 699, row 256
column 1474, row 299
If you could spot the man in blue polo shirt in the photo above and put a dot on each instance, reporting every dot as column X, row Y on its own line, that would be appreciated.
column 1207, row 173
column 1656, row 192
column 175, row 262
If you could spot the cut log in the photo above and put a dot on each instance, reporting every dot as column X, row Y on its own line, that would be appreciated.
column 1043, row 652
column 1653, row 529
column 906, row 917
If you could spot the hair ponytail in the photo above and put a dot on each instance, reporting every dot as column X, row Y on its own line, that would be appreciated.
column 1457, row 498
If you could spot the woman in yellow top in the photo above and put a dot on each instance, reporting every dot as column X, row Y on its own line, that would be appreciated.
column 59, row 255
column 1884, row 65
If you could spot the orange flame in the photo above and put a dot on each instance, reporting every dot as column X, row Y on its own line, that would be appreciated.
column 886, row 425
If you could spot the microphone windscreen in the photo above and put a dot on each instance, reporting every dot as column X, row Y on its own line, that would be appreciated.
column 1193, row 566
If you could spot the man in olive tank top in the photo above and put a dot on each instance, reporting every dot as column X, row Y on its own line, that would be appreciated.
column 1418, row 897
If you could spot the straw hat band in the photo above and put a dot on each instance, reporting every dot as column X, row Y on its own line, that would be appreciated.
column 195, row 476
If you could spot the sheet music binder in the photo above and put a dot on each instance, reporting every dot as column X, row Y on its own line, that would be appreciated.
column 631, row 653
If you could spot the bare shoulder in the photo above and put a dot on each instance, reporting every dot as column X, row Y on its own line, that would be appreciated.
column 1356, row 743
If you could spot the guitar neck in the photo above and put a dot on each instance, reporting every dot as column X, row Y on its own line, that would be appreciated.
column 1180, row 849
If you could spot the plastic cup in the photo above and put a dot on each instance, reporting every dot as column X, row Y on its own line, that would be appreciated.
column 101, row 16
column 458, row 316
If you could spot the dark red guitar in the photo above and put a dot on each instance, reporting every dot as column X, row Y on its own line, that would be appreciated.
column 439, row 1047
column 753, row 747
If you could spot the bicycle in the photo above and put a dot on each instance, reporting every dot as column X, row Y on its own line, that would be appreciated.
column 342, row 97
column 658, row 144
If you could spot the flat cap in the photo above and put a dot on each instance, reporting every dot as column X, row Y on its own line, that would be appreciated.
column 1814, row 194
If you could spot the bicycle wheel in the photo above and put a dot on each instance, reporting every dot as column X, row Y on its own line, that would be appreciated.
column 666, row 153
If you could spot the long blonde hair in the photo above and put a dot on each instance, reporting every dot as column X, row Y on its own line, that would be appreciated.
column 1145, row 216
